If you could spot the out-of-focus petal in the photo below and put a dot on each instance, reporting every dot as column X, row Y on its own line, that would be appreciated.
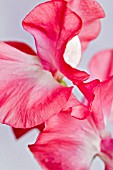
column 91, row 13
column 66, row 143
column 107, row 153
column 29, row 95
column 22, row 47
column 89, row 32
column 53, row 24
column 18, row 132
column 101, row 65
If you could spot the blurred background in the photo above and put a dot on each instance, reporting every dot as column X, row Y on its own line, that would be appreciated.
column 14, row 154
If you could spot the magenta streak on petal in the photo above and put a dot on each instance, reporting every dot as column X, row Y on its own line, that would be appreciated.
column 29, row 95
column 52, row 28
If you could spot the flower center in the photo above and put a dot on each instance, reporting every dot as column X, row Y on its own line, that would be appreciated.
column 58, row 76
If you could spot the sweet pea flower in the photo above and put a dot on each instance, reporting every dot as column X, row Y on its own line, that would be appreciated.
column 30, row 91
column 68, row 143
column 90, row 12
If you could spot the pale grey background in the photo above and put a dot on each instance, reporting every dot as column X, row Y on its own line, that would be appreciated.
column 14, row 155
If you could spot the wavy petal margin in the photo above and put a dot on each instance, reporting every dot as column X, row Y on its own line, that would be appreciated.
column 90, row 12
column 66, row 143
column 53, row 24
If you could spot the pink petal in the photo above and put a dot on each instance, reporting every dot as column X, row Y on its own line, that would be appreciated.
column 29, row 95
column 107, row 150
column 91, row 13
column 100, row 98
column 101, row 104
column 18, row 132
column 101, row 65
column 66, row 144
column 78, row 110
column 53, row 24
column 22, row 47
column 87, row 89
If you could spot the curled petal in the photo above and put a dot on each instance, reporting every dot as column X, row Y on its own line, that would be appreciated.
column 53, row 24
column 91, row 13
column 66, row 143
column 100, row 98
column 18, row 132
column 101, row 65
column 78, row 110
column 88, row 88
column 29, row 95
column 22, row 47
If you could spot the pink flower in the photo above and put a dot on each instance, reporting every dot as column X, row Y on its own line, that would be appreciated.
column 30, row 91
column 90, row 12
column 70, row 143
